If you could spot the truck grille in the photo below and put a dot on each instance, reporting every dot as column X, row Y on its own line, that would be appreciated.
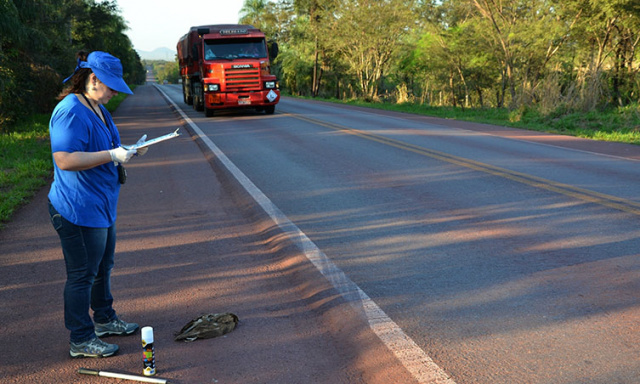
column 243, row 79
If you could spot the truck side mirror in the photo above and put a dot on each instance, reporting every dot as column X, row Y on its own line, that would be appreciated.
column 273, row 49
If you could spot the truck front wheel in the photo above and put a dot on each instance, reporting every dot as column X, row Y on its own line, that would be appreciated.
column 187, row 93
column 200, row 107
column 269, row 109
column 198, row 103
column 186, row 98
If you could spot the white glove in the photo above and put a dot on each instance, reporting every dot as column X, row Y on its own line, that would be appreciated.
column 142, row 151
column 121, row 155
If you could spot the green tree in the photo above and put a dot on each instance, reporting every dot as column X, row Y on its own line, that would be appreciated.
column 365, row 34
column 526, row 35
column 33, row 39
column 314, row 36
column 166, row 70
column 610, row 38
column 100, row 27
column 38, row 41
column 253, row 12
column 295, row 59
column 519, row 53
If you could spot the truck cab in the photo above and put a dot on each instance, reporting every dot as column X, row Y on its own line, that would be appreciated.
column 227, row 66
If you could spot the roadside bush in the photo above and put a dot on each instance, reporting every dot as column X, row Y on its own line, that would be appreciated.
column 27, row 90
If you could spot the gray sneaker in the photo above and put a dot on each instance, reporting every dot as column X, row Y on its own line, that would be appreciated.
column 115, row 327
column 93, row 348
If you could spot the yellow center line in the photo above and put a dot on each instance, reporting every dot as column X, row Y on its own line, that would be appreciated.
column 609, row 201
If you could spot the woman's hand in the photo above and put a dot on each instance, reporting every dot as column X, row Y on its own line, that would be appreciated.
column 143, row 150
column 121, row 155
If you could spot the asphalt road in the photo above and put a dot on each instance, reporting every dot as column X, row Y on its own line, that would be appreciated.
column 506, row 256
column 478, row 254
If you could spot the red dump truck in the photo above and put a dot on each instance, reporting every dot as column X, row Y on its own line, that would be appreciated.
column 227, row 66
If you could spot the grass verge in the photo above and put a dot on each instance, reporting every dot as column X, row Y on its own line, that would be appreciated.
column 25, row 161
column 619, row 125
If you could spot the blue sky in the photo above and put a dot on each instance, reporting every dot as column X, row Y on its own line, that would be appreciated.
column 160, row 23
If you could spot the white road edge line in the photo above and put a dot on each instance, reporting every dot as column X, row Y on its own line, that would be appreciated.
column 414, row 359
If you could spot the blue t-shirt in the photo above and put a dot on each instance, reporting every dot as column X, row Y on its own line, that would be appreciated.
column 86, row 198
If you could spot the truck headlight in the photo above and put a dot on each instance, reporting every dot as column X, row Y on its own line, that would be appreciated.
column 270, row 84
column 213, row 87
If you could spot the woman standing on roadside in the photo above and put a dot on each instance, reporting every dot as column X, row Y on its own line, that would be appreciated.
column 87, row 157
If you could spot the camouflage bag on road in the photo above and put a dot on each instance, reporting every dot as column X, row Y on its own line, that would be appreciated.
column 208, row 326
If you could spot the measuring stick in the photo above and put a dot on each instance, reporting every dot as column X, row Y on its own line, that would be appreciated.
column 124, row 376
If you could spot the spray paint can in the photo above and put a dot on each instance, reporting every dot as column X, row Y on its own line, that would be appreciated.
column 148, row 353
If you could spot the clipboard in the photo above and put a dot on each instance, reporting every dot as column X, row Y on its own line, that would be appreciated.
column 153, row 141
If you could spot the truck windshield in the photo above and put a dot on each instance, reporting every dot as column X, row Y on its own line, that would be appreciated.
column 234, row 49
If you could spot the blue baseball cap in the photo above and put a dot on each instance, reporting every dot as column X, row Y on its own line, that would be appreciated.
column 107, row 69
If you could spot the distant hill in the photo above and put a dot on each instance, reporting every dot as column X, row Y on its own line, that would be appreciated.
column 158, row 54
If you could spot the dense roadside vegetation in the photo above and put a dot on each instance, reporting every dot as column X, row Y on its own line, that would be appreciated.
column 554, row 56
column 38, row 43
column 164, row 70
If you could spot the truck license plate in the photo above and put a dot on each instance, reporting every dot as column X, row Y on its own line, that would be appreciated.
column 244, row 101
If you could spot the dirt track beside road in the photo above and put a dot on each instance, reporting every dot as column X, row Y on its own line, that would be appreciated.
column 189, row 243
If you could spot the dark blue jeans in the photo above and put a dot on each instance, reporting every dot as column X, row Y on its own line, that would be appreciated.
column 89, row 258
